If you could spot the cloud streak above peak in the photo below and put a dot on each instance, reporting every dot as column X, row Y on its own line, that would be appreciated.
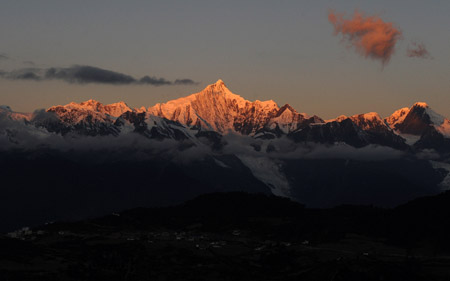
column 83, row 74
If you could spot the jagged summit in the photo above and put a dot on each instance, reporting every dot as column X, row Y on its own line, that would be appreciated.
column 286, row 107
column 216, row 91
column 117, row 109
column 420, row 104
column 89, row 102
column 369, row 121
column 220, row 83
column 217, row 87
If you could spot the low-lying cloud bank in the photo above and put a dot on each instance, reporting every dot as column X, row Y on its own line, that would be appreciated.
column 31, row 134
column 20, row 135
column 284, row 148
column 83, row 74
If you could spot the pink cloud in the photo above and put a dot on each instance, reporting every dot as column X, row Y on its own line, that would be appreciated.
column 369, row 35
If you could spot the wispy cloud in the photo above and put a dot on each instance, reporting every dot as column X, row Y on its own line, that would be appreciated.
column 88, row 74
column 369, row 35
column 155, row 81
column 418, row 50
column 82, row 74
column 22, row 74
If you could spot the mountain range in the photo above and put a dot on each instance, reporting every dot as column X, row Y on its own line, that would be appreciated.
column 217, row 110
column 215, row 140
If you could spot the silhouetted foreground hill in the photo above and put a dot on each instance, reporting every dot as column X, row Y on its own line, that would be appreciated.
column 239, row 236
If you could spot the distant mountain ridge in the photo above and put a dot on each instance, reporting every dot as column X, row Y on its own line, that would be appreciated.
column 218, row 110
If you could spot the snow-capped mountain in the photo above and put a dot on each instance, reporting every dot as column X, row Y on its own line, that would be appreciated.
column 422, row 127
column 417, row 120
column 216, row 108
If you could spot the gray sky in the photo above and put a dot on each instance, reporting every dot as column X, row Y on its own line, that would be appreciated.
column 280, row 50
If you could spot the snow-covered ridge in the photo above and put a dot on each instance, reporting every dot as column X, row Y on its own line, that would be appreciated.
column 337, row 119
column 365, row 121
column 89, row 112
column 114, row 109
column 397, row 117
column 368, row 121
